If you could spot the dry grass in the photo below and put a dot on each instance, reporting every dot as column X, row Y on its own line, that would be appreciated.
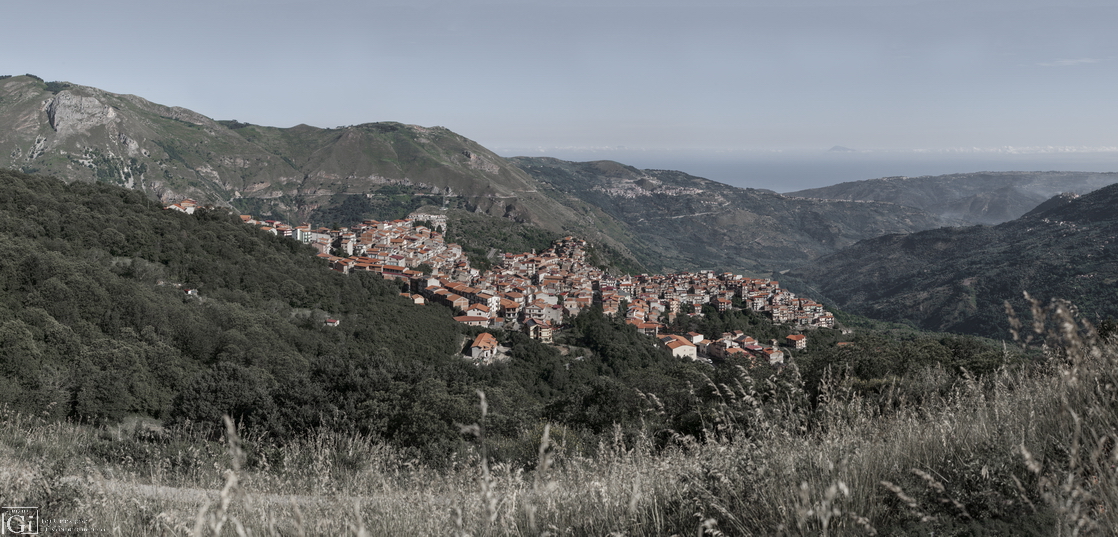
column 1012, row 453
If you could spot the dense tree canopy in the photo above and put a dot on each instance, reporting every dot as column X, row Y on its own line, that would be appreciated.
column 95, row 325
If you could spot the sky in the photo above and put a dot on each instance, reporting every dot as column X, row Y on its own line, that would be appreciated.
column 1015, row 82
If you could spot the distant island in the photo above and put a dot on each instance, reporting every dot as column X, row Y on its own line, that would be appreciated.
column 841, row 149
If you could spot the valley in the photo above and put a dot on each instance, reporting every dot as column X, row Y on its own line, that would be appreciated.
column 960, row 279
column 207, row 325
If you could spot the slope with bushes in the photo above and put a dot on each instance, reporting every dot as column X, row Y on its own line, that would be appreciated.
column 959, row 279
column 1015, row 451
column 676, row 221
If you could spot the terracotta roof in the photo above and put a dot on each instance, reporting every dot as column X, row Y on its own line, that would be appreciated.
column 485, row 340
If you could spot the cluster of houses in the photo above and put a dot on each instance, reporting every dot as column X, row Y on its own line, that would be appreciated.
column 534, row 292
column 729, row 345
column 530, row 292
column 650, row 298
column 396, row 249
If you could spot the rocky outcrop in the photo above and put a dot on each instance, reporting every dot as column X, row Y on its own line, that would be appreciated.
column 69, row 113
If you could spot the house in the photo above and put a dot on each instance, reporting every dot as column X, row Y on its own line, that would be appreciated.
column 510, row 309
column 470, row 320
column 722, row 349
column 539, row 329
column 535, row 310
column 799, row 341
column 415, row 299
column 680, row 346
column 483, row 347
column 479, row 310
column 722, row 304
column 743, row 340
column 456, row 301
column 186, row 206
column 775, row 356
column 646, row 328
column 332, row 322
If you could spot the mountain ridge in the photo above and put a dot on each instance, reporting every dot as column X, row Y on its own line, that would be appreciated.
column 958, row 279
column 682, row 217
column 82, row 133
column 967, row 198
column 659, row 220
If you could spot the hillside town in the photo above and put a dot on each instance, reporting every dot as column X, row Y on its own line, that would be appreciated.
column 534, row 292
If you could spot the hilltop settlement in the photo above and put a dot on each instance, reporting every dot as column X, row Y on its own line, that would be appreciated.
column 535, row 292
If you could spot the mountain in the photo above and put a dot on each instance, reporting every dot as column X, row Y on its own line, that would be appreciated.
column 82, row 133
column 303, row 173
column 958, row 279
column 648, row 219
column 967, row 198
column 683, row 221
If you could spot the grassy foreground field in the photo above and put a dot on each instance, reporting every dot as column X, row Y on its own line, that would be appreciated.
column 1022, row 452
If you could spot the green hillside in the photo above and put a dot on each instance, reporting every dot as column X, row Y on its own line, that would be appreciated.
column 96, row 325
column 116, row 380
column 676, row 221
column 645, row 219
column 958, row 279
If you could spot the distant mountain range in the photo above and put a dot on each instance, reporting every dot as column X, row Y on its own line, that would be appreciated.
column 681, row 222
column 967, row 198
column 656, row 220
column 663, row 219
column 958, row 279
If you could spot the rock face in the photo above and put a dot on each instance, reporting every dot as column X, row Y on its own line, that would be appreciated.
column 69, row 113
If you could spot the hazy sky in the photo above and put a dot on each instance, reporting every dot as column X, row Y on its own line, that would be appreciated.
column 695, row 75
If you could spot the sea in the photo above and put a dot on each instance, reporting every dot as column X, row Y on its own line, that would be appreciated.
column 790, row 171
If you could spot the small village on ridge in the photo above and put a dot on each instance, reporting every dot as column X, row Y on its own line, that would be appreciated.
column 535, row 292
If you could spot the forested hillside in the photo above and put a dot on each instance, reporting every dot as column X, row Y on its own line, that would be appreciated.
column 96, row 325
column 959, row 279
column 375, row 426
column 674, row 221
